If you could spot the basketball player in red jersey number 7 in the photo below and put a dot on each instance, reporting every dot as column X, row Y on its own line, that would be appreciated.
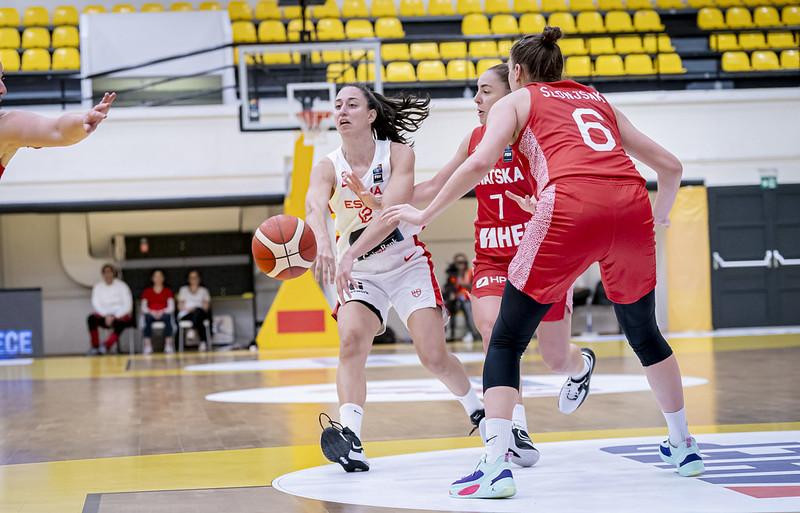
column 592, row 207
column 22, row 129
column 504, row 207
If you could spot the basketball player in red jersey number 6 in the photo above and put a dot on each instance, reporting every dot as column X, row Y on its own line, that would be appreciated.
column 592, row 207
column 378, row 265
column 26, row 129
column 504, row 207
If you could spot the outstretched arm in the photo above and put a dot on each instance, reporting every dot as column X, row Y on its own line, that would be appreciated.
column 29, row 129
column 319, row 192
column 665, row 164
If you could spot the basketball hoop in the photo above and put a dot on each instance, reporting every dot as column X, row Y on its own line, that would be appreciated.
column 312, row 123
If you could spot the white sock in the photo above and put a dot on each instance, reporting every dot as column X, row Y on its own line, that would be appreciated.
column 519, row 418
column 351, row 415
column 470, row 401
column 498, row 436
column 678, row 428
column 584, row 370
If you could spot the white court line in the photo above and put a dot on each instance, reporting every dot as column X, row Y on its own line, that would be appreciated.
column 13, row 362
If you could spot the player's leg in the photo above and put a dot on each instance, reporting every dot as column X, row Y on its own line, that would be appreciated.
column 94, row 322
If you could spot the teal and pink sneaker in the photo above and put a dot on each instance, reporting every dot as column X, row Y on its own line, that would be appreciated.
column 686, row 457
column 489, row 481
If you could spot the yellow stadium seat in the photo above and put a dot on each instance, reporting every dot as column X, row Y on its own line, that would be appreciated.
column 564, row 20
column 383, row 8
column 468, row 7
column 210, row 6
column 366, row 72
column 35, row 59
column 581, row 5
column 497, row 7
column 66, row 59
column 669, row 63
column 361, row 55
column 752, row 41
column 791, row 15
column 639, row 64
column 643, row 4
column 710, row 18
column 428, row 71
column 504, row 48
column 699, row 4
column 389, row 28
column 480, row 49
column 35, row 37
column 395, row 52
column 735, row 62
column 271, row 31
column 250, row 58
column 475, row 25
column 333, row 56
column 764, row 60
column 573, row 46
column 460, row 69
column 660, row 43
column 237, row 10
column 531, row 23
column 411, row 8
column 484, row 65
column 340, row 73
column 9, row 38
column 291, row 12
column 294, row 27
column 554, row 5
column 330, row 9
column 148, row 7
column 65, row 15
column 278, row 58
column 609, row 65
column 504, row 24
column 424, row 51
column 188, row 7
column 329, row 29
column 578, row 67
column 10, row 60
column 738, row 17
column 244, row 32
column 628, row 44
column 647, row 21
column 267, row 10
column 94, row 9
column 441, row 8
column 400, row 72
column 611, row 5
column 354, row 9
column 670, row 4
column 790, row 59
column 590, row 22
column 123, row 9
column 729, row 3
column 36, row 17
column 66, row 37
column 358, row 29
column 453, row 50
column 619, row 21
column 523, row 6
column 780, row 40
column 723, row 42
column 755, row 3
column 601, row 46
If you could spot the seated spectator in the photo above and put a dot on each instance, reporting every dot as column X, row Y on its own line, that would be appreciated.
column 158, row 304
column 457, row 290
column 112, row 304
column 193, row 305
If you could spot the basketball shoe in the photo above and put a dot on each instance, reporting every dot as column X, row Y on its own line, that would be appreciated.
column 574, row 392
column 522, row 452
column 490, row 480
column 686, row 457
column 340, row 445
column 478, row 419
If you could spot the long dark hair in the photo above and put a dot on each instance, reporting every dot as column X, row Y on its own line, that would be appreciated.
column 501, row 70
column 540, row 56
column 398, row 115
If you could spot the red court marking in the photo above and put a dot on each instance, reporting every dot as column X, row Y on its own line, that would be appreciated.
column 301, row 321
column 767, row 492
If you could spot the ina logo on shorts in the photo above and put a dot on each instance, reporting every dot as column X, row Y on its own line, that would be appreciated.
column 416, row 292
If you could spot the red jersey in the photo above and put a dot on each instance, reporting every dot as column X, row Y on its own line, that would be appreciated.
column 572, row 132
column 2, row 170
column 157, row 301
column 500, row 222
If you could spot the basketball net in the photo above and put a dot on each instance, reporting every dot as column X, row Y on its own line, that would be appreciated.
column 312, row 123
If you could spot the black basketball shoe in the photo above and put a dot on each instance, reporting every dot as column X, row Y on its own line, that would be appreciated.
column 574, row 392
column 340, row 445
column 522, row 452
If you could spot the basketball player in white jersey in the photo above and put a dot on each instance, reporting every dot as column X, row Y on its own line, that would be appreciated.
column 376, row 265
column 25, row 129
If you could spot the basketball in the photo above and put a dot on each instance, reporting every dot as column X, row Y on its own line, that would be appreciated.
column 284, row 247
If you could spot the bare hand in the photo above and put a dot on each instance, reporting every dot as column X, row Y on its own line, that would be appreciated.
column 528, row 203
column 324, row 264
column 98, row 113
column 344, row 276
column 355, row 184
column 405, row 212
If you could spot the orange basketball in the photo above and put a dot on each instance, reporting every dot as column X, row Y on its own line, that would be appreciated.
column 284, row 247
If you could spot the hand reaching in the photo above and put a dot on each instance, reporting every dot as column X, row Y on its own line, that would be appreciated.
column 405, row 212
column 528, row 203
column 98, row 113
column 357, row 186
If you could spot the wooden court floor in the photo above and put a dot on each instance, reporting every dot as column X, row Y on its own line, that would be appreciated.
column 116, row 434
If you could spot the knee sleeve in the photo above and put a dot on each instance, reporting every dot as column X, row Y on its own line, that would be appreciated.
column 638, row 321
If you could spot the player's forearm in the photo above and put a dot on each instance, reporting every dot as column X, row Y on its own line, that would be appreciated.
column 466, row 177
column 668, row 185
column 315, row 218
column 69, row 130
column 376, row 232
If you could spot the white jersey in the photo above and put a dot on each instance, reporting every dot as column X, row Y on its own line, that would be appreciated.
column 352, row 216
